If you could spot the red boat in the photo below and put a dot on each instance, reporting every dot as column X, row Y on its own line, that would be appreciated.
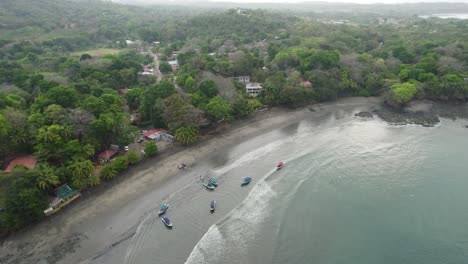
column 280, row 165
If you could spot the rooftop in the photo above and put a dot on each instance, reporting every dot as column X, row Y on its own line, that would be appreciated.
column 151, row 132
column 65, row 192
column 27, row 161
column 253, row 85
column 107, row 154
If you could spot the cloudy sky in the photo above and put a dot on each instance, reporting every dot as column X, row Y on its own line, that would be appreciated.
column 342, row 1
column 295, row 1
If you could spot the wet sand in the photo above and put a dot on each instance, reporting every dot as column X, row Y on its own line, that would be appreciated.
column 98, row 227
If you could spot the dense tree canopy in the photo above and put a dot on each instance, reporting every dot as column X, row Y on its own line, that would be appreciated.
column 71, row 81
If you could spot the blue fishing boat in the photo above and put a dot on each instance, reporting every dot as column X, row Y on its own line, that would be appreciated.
column 163, row 209
column 246, row 181
column 166, row 221
column 212, row 205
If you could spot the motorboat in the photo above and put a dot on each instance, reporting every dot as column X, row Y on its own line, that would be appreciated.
column 280, row 165
column 214, row 181
column 246, row 181
column 212, row 205
column 166, row 221
column 163, row 208
column 209, row 185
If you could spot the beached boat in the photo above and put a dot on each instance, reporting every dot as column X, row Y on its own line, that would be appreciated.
column 214, row 181
column 246, row 181
column 166, row 221
column 163, row 209
column 280, row 165
column 208, row 185
column 212, row 205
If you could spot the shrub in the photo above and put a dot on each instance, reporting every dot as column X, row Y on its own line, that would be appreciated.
column 133, row 158
column 108, row 172
column 186, row 135
column 151, row 149
column 120, row 163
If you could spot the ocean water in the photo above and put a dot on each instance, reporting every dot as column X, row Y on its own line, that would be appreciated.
column 352, row 191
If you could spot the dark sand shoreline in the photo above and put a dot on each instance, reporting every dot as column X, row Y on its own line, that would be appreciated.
column 79, row 233
column 100, row 224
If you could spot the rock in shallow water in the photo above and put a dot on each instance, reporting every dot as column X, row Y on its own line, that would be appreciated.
column 364, row 114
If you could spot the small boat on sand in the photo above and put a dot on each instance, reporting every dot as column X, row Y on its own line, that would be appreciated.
column 212, row 205
column 246, row 181
column 208, row 185
column 166, row 221
column 214, row 181
column 280, row 165
column 163, row 209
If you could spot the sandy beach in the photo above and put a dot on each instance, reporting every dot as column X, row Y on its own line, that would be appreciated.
column 106, row 221
column 98, row 227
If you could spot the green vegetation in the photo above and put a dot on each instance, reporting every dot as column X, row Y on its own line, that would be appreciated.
column 151, row 149
column 402, row 93
column 186, row 135
column 69, row 76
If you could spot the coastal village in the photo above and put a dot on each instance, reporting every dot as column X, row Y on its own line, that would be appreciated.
column 115, row 118
column 62, row 195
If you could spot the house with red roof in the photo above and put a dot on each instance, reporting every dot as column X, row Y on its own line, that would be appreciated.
column 158, row 134
column 307, row 84
column 107, row 154
column 27, row 161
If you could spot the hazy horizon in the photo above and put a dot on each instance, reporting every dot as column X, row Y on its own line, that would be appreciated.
column 302, row 1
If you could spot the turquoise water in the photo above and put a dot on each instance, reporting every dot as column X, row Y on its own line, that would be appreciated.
column 353, row 191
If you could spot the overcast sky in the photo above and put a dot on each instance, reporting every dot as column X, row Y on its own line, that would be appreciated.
column 298, row 1
column 342, row 1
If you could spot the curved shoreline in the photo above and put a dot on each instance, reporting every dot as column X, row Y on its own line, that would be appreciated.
column 105, row 216
column 100, row 224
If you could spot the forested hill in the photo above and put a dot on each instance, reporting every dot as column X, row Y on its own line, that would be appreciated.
column 251, row 23
column 406, row 9
column 77, row 77
column 92, row 19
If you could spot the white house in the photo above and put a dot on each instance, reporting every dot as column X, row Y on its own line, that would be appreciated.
column 243, row 79
column 253, row 88
column 173, row 63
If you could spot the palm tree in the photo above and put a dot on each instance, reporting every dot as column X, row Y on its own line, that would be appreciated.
column 81, row 168
column 108, row 172
column 46, row 177
column 186, row 135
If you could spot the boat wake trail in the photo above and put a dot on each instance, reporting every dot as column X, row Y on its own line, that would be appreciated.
column 228, row 239
column 251, row 156
column 136, row 245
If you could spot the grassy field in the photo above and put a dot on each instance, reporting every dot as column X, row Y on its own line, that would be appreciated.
column 98, row 52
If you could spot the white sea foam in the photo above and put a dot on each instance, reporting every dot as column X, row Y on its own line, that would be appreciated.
column 251, row 156
column 235, row 231
column 210, row 246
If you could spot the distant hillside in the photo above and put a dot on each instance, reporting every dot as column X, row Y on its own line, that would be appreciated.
column 317, row 6
column 101, row 20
